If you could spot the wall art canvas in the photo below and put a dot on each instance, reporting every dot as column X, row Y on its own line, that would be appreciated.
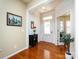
column 14, row 20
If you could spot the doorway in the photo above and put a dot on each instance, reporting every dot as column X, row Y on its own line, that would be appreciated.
column 64, row 25
column 47, row 27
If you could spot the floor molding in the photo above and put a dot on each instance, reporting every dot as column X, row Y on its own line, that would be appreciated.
column 14, row 53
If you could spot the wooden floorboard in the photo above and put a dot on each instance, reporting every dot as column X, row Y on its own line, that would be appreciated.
column 43, row 50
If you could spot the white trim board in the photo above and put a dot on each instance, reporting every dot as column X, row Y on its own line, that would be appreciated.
column 14, row 53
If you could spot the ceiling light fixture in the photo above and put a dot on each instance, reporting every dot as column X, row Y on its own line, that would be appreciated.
column 43, row 8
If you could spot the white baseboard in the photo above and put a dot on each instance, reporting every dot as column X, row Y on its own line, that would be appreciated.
column 14, row 53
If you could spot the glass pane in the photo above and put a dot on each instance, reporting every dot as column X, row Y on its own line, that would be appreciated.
column 46, row 27
column 48, row 17
column 61, row 26
column 68, row 26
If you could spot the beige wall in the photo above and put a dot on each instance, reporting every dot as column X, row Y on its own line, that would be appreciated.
column 12, row 38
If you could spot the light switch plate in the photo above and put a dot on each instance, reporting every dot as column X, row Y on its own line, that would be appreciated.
column 0, row 49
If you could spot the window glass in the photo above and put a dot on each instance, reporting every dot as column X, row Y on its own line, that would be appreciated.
column 68, row 26
column 48, row 17
column 61, row 26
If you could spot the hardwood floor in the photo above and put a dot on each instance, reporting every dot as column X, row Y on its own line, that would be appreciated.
column 42, row 50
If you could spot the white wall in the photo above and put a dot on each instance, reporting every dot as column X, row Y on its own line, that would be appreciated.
column 36, row 18
column 12, row 38
column 67, row 6
column 33, row 17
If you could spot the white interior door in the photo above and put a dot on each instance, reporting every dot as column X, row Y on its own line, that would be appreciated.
column 47, row 29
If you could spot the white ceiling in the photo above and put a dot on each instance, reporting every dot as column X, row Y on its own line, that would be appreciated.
column 27, row 1
column 48, row 6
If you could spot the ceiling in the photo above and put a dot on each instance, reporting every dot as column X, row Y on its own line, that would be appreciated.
column 50, row 5
column 46, row 7
column 27, row 1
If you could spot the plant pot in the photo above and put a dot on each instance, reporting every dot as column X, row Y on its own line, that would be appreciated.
column 68, row 56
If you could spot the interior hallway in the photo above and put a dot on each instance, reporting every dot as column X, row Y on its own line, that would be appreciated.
column 15, row 38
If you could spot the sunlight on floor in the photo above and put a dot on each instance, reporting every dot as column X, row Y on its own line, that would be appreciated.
column 47, row 54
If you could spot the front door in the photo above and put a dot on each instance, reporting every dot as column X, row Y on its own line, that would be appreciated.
column 47, row 24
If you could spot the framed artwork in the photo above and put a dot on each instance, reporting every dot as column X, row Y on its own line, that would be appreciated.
column 14, row 20
column 32, row 24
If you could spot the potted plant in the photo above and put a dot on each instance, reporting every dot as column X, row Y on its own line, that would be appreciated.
column 34, row 30
column 66, row 38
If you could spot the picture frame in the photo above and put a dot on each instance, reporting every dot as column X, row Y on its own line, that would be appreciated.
column 32, row 24
column 14, row 20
